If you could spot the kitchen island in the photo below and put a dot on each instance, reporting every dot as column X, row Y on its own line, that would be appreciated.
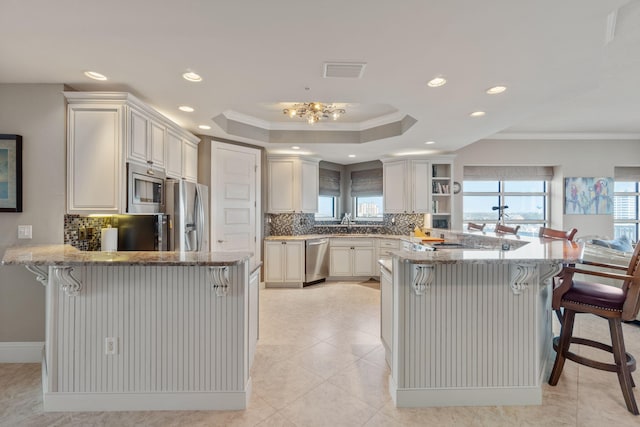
column 471, row 325
column 145, row 330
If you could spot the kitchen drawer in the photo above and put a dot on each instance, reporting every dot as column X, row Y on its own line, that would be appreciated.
column 386, row 252
column 338, row 242
column 389, row 244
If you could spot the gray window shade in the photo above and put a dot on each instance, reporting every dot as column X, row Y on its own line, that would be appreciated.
column 329, row 182
column 627, row 173
column 508, row 173
column 366, row 183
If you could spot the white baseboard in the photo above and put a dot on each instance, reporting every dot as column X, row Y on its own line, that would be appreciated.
column 161, row 401
column 21, row 352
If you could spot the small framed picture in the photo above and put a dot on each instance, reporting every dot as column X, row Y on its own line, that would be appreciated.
column 10, row 173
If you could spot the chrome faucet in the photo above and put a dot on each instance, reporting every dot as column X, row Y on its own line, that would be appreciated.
column 346, row 220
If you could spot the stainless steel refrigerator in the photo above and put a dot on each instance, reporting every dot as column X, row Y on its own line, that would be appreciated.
column 187, row 205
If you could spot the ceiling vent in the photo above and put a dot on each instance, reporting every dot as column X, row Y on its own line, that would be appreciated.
column 350, row 70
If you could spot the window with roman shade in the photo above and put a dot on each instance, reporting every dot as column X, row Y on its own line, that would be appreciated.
column 329, row 182
column 366, row 192
column 366, row 183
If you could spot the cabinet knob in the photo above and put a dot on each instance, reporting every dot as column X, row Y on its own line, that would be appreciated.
column 220, row 241
column 150, row 162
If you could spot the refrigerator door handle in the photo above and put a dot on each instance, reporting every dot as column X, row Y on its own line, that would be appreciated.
column 200, row 218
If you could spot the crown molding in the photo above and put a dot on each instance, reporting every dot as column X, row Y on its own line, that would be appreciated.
column 565, row 135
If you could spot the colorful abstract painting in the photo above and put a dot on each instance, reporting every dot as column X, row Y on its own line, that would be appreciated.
column 10, row 173
column 588, row 196
column 4, row 173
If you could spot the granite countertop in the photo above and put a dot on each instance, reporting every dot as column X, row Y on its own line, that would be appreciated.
column 69, row 256
column 350, row 236
column 532, row 250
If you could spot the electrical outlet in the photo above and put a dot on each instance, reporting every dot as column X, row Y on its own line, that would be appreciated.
column 110, row 346
column 24, row 232
column 82, row 233
column 90, row 231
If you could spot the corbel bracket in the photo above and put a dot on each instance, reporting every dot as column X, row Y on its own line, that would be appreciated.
column 69, row 284
column 422, row 278
column 522, row 276
column 41, row 274
column 219, row 280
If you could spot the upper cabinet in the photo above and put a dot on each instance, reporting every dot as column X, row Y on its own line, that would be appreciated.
column 292, row 184
column 146, row 140
column 420, row 186
column 182, row 158
column 105, row 130
column 406, row 186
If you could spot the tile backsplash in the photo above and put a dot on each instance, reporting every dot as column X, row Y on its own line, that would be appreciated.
column 91, row 225
column 295, row 224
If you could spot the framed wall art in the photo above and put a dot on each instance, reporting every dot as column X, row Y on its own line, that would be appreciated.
column 10, row 173
column 588, row 196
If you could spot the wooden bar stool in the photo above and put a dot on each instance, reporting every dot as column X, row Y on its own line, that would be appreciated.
column 505, row 229
column 550, row 233
column 609, row 302
column 474, row 226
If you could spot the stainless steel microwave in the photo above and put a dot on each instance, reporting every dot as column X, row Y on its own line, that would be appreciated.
column 145, row 190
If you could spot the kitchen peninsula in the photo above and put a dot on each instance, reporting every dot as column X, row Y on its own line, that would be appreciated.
column 471, row 326
column 145, row 330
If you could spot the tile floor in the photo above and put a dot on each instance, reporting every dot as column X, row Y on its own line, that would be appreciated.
column 320, row 363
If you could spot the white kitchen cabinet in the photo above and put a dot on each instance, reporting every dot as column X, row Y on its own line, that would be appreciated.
column 386, row 313
column 283, row 263
column 410, row 186
column 96, row 169
column 406, row 186
column 385, row 247
column 352, row 258
column 104, row 131
column 174, row 156
column 292, row 184
column 190, row 161
column 146, row 140
column 182, row 158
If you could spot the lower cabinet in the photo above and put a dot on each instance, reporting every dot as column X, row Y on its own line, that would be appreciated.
column 386, row 312
column 283, row 263
column 352, row 257
column 385, row 247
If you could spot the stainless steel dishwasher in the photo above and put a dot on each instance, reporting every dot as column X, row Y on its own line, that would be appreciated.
column 316, row 265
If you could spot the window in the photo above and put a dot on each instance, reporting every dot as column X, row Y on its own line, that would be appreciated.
column 368, row 208
column 366, row 191
column 326, row 208
column 527, row 203
column 625, row 209
column 329, row 192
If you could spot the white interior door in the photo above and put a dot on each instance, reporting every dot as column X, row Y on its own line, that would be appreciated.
column 234, row 199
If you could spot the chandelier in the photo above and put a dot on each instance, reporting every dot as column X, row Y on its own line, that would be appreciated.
column 314, row 111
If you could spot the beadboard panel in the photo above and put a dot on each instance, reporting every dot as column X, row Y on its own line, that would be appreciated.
column 469, row 331
column 173, row 334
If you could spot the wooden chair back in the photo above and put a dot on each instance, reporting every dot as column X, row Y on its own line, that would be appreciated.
column 557, row 234
column 632, row 287
column 504, row 229
column 474, row 226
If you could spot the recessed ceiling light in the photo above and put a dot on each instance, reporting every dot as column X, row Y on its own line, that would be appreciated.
column 95, row 76
column 192, row 77
column 437, row 82
column 352, row 155
column 477, row 114
column 295, row 147
column 186, row 109
column 205, row 127
column 496, row 90
column 430, row 142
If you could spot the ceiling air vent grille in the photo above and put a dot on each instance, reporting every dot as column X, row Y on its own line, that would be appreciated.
column 351, row 70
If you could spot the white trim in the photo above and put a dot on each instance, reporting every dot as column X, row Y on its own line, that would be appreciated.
column 21, row 352
column 564, row 135
column 177, row 401
column 481, row 396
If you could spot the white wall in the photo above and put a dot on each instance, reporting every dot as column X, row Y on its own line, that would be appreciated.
column 570, row 159
column 37, row 112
